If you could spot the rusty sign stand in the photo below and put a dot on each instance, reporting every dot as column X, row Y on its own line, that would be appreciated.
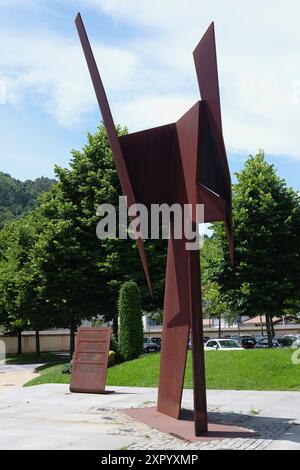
column 90, row 360
column 184, row 162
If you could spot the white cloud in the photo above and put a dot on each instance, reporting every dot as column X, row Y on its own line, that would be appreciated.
column 151, row 111
column 51, row 70
column 259, row 61
column 150, row 76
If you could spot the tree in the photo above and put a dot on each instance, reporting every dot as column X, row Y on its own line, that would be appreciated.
column 265, row 277
column 18, row 197
column 19, row 278
column 81, row 274
column 214, row 304
column 58, row 272
column 131, row 335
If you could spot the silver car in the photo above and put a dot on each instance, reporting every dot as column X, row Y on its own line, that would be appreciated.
column 296, row 343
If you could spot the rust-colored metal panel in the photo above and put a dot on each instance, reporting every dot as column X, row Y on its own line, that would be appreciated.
column 90, row 360
column 199, row 388
column 186, row 163
column 205, row 58
column 176, row 329
column 190, row 133
column 145, row 152
column 188, row 137
column 111, row 132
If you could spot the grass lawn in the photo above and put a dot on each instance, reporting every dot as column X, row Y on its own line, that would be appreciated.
column 30, row 358
column 228, row 370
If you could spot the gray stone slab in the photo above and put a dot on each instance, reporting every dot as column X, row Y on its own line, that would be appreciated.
column 49, row 417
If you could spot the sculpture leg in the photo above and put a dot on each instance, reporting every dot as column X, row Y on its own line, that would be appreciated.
column 182, row 313
column 200, row 403
column 176, row 329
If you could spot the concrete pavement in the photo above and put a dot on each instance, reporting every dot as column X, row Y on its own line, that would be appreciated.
column 50, row 417
column 16, row 375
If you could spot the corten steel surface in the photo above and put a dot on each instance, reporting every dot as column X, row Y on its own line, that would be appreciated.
column 183, row 162
column 111, row 132
column 184, row 428
column 90, row 360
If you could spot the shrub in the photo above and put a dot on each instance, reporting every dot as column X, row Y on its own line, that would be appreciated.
column 111, row 358
column 131, row 336
column 67, row 368
column 114, row 344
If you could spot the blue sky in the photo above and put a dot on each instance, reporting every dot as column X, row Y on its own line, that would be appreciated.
column 144, row 52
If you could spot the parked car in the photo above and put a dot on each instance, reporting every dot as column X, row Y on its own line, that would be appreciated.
column 264, row 344
column 248, row 342
column 149, row 346
column 156, row 341
column 296, row 343
column 259, row 337
column 286, row 341
column 235, row 337
column 290, row 337
column 222, row 345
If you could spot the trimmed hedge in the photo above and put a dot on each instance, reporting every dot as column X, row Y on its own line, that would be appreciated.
column 131, row 335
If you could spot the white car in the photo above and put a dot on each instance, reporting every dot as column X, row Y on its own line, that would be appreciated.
column 296, row 343
column 222, row 345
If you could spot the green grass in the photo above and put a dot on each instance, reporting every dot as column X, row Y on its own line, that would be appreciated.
column 231, row 370
column 30, row 358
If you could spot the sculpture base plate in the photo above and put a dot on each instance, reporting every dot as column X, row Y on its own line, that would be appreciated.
column 91, row 392
column 183, row 428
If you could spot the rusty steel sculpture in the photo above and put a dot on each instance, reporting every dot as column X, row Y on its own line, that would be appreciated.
column 184, row 162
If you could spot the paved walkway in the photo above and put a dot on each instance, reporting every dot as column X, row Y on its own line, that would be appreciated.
column 49, row 417
column 12, row 376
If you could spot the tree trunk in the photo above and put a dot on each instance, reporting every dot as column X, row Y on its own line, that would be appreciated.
column 220, row 326
column 72, row 339
column 272, row 327
column 115, row 326
column 269, row 330
column 261, row 325
column 19, row 336
column 37, row 344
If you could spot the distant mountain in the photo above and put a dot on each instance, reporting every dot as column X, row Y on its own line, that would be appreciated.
column 17, row 197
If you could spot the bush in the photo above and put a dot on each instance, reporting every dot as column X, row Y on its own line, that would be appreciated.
column 114, row 344
column 111, row 358
column 131, row 335
column 67, row 368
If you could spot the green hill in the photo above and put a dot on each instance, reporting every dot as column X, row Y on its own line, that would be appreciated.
column 17, row 197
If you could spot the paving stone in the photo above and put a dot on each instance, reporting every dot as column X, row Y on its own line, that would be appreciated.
column 48, row 416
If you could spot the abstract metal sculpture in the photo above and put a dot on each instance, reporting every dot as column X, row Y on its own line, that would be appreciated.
column 183, row 162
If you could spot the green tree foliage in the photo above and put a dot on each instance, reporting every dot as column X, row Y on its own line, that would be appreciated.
column 21, row 305
column 83, row 272
column 265, row 277
column 214, row 304
column 17, row 197
column 131, row 334
column 67, row 274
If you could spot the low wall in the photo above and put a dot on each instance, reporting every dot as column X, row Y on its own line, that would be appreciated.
column 213, row 332
column 59, row 340
column 49, row 342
